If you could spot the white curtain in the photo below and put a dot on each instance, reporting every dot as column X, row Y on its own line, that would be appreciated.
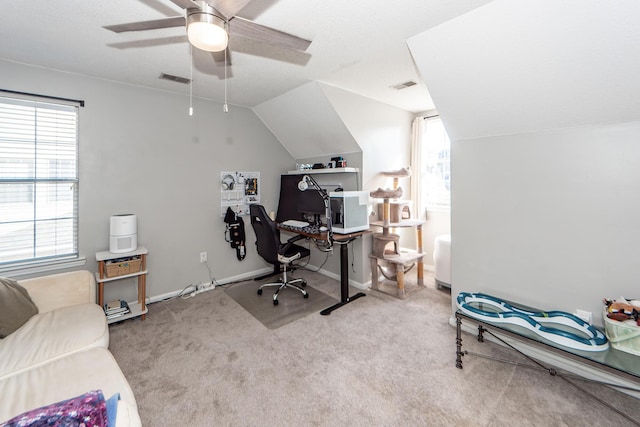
column 417, row 130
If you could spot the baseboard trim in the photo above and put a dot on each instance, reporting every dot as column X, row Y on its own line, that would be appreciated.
column 362, row 286
column 236, row 278
column 256, row 273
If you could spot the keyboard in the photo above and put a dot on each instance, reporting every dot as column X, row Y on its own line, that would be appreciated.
column 294, row 223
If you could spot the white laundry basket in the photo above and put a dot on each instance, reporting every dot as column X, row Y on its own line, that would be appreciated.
column 442, row 260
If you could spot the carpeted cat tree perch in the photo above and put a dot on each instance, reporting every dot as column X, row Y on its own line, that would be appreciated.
column 386, row 256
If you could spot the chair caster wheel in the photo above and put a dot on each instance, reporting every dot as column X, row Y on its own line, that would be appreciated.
column 306, row 295
column 275, row 302
column 259, row 291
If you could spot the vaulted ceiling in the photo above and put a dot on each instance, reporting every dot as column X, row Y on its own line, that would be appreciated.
column 357, row 45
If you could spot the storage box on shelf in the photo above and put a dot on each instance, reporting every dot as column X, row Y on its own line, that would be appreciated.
column 121, row 266
column 621, row 335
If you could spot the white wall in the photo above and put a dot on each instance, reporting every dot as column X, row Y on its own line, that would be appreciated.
column 548, row 219
column 306, row 124
column 541, row 103
column 141, row 153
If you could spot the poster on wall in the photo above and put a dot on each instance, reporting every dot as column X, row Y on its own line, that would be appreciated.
column 238, row 190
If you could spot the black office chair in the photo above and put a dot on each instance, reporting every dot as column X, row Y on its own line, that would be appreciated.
column 273, row 251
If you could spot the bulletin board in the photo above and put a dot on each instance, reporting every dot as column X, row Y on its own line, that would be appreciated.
column 238, row 190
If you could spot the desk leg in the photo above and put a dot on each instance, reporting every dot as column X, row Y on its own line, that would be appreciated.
column 344, row 282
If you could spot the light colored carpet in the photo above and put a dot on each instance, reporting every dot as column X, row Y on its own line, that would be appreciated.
column 291, row 304
column 378, row 361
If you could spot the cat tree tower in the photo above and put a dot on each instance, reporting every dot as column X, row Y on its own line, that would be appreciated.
column 387, row 256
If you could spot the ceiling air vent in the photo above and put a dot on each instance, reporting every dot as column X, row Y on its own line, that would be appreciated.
column 404, row 85
column 175, row 78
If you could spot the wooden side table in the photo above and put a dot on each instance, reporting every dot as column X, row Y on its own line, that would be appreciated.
column 139, row 308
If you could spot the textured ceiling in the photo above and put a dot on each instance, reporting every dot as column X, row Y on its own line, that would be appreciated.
column 357, row 45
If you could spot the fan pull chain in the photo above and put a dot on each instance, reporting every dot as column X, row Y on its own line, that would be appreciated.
column 225, row 107
column 191, row 81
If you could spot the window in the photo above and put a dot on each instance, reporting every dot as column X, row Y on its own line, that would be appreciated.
column 435, row 168
column 38, row 182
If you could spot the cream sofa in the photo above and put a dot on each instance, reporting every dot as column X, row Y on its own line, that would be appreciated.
column 61, row 352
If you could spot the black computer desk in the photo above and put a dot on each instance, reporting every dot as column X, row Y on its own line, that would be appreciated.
column 343, row 240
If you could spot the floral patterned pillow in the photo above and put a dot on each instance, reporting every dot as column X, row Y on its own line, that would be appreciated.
column 87, row 410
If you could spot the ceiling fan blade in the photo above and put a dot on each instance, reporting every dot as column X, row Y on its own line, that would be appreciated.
column 177, row 21
column 185, row 4
column 228, row 7
column 219, row 57
column 269, row 51
column 246, row 28
column 162, row 41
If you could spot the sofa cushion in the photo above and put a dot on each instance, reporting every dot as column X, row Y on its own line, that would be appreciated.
column 52, row 335
column 66, row 377
column 61, row 290
column 16, row 307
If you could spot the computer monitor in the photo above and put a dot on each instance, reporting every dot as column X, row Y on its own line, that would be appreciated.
column 311, row 205
column 295, row 204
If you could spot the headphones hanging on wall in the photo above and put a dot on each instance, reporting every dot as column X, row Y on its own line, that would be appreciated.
column 228, row 182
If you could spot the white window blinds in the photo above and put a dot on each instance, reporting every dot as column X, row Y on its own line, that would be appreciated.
column 38, row 181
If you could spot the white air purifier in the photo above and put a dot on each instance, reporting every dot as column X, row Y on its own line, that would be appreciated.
column 123, row 233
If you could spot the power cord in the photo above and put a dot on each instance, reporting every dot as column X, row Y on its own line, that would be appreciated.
column 210, row 285
column 211, row 278
column 326, row 258
column 180, row 294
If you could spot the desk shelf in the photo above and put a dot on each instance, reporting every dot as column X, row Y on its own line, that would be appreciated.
column 321, row 171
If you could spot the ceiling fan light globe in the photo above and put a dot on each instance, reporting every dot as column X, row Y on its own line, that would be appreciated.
column 207, row 36
column 207, row 32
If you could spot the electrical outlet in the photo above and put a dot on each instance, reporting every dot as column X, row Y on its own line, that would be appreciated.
column 203, row 257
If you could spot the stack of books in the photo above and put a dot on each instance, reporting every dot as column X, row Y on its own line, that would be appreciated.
column 116, row 309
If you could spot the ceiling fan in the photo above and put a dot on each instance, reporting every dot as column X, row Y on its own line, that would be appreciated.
column 210, row 23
